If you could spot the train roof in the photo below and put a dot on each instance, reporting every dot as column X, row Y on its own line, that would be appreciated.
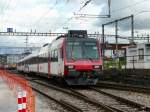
column 44, row 49
column 81, row 39
column 29, row 56
column 74, row 34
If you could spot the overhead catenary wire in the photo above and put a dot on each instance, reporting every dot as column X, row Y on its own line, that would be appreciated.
column 85, row 4
column 46, row 13
column 7, row 7
column 92, row 16
column 3, row 9
column 128, row 6
column 69, row 19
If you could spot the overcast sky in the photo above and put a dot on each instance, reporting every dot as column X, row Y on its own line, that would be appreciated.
column 57, row 15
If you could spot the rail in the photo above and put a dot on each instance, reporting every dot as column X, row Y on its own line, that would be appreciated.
column 125, row 101
column 79, row 96
column 126, row 87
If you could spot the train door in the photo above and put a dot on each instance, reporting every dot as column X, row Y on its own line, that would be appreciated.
column 60, row 61
column 49, row 64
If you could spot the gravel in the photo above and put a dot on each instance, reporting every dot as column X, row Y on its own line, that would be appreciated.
column 140, row 98
column 43, row 104
column 107, row 100
column 68, row 98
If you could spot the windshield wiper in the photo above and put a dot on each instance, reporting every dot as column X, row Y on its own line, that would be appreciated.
column 90, row 59
column 87, row 57
column 73, row 59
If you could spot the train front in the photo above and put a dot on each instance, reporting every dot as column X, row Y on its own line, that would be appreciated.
column 83, row 62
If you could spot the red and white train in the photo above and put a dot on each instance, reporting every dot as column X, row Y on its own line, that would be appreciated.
column 75, row 57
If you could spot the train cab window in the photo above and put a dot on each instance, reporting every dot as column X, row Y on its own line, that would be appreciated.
column 91, row 50
column 82, row 50
column 141, row 54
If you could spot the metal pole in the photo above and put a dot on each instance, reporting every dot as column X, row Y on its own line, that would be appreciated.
column 26, row 43
column 109, row 3
column 148, row 38
column 133, row 63
column 125, row 62
column 116, row 31
column 103, row 42
column 132, row 26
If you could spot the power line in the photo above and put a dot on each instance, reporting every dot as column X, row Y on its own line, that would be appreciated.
column 129, row 6
column 56, row 3
column 69, row 19
column 85, row 4
column 48, row 11
column 8, row 5
column 3, row 10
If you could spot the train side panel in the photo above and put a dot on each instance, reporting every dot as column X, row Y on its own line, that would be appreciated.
column 56, row 55
column 33, row 68
column 43, row 68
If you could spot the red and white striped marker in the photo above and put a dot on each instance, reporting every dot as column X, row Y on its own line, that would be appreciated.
column 19, row 101
column 22, row 101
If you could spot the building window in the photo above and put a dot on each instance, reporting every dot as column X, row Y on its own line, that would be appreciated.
column 141, row 54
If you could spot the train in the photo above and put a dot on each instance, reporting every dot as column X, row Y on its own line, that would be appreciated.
column 74, row 57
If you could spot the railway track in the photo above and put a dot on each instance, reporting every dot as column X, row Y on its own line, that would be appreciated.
column 104, row 100
column 61, row 102
column 124, row 104
column 127, row 87
column 77, row 102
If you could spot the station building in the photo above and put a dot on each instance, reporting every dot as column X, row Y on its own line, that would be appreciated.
column 138, row 56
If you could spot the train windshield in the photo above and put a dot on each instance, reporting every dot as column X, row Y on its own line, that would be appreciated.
column 82, row 50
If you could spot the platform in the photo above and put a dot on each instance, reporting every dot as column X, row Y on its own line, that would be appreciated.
column 8, row 102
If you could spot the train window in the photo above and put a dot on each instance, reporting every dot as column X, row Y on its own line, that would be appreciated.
column 73, row 43
column 34, row 60
column 141, row 54
column 46, row 57
column 49, row 56
column 52, row 56
column 90, row 50
column 37, row 59
column 31, row 61
column 56, row 55
column 61, row 53
column 82, row 50
column 90, row 43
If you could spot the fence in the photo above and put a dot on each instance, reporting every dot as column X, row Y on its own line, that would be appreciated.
column 21, row 89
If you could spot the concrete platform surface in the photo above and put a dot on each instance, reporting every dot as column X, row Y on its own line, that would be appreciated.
column 8, row 102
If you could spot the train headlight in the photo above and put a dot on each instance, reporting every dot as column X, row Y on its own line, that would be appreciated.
column 70, row 67
column 96, row 66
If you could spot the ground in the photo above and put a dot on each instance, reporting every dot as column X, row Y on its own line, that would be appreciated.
column 8, row 102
